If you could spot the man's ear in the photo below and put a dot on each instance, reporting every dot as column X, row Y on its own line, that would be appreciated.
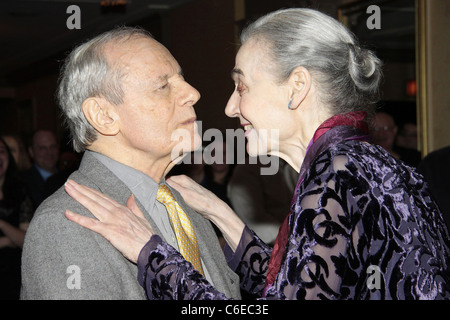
column 101, row 115
column 300, row 83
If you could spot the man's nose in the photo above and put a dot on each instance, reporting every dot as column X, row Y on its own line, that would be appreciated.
column 190, row 95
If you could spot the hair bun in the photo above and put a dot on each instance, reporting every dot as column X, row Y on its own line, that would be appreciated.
column 364, row 67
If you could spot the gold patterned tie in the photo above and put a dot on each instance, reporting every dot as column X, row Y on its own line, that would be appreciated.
column 184, row 231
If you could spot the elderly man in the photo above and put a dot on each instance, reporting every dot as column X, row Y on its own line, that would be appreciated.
column 124, row 98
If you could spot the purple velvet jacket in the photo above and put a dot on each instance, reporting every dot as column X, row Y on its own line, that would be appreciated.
column 362, row 226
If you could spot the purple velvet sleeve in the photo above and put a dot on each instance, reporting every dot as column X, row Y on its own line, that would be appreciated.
column 166, row 275
column 250, row 261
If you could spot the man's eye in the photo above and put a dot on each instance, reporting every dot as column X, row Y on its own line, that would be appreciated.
column 163, row 87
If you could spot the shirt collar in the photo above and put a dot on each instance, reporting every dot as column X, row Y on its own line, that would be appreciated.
column 142, row 186
column 44, row 173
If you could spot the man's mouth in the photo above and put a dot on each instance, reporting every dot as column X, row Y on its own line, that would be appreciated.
column 189, row 121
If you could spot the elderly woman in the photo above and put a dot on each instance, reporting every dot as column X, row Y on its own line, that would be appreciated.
column 362, row 224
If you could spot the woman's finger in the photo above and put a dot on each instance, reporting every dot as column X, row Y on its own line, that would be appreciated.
column 195, row 196
column 132, row 205
column 99, row 207
column 184, row 184
column 93, row 194
column 180, row 180
column 83, row 221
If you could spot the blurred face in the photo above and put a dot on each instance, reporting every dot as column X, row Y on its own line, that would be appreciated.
column 45, row 150
column 4, row 161
column 157, row 115
column 259, row 102
column 384, row 130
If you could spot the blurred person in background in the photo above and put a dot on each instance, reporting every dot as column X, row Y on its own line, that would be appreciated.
column 384, row 133
column 16, row 211
column 18, row 150
column 44, row 151
column 435, row 167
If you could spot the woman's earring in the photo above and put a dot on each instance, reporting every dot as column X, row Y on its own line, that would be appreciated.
column 290, row 105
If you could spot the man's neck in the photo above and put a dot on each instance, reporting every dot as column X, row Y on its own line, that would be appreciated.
column 156, row 169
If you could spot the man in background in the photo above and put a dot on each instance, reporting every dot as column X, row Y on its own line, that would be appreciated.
column 44, row 151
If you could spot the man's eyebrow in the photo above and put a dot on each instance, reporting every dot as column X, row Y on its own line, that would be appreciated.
column 164, row 78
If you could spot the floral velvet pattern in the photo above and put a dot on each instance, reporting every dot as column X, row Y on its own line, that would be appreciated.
column 358, row 209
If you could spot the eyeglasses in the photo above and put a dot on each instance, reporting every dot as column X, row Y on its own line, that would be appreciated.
column 384, row 128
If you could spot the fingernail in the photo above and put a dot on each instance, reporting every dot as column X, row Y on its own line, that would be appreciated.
column 68, row 213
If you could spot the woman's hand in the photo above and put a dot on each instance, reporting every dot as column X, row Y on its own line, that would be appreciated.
column 125, row 227
column 197, row 197
column 209, row 206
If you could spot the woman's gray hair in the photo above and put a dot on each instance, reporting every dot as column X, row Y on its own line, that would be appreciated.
column 87, row 73
column 349, row 76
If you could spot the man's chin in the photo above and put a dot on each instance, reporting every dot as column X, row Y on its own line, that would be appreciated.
column 178, row 153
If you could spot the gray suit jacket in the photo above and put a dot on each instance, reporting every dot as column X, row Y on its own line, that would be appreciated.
column 62, row 260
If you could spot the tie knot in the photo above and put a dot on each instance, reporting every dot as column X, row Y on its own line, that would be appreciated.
column 164, row 195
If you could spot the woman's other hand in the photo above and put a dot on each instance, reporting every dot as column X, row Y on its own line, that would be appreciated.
column 197, row 197
column 209, row 206
column 125, row 227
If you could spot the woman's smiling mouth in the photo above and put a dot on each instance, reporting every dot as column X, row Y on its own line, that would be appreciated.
column 247, row 128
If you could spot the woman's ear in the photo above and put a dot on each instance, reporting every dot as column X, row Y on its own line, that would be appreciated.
column 101, row 115
column 300, row 83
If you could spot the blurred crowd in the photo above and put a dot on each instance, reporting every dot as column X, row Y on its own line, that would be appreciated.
column 30, row 172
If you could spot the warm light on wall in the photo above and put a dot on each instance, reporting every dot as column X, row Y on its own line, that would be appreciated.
column 109, row 3
column 411, row 88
